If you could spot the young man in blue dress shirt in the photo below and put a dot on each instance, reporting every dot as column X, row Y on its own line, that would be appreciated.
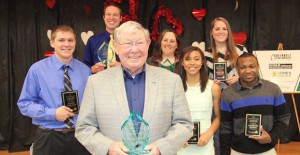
column 41, row 96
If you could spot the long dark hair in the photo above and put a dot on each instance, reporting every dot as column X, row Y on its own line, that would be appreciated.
column 157, row 52
column 203, row 71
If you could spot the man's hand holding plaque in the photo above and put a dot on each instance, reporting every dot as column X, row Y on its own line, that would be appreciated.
column 264, row 138
column 70, row 99
column 136, row 134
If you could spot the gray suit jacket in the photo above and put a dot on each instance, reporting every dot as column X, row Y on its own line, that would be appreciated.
column 105, row 108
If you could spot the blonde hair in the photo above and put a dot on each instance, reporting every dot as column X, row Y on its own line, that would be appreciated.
column 63, row 28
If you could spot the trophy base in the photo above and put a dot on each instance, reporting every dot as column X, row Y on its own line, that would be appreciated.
column 137, row 152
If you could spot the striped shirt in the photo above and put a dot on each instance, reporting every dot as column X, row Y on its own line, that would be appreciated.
column 240, row 49
column 264, row 98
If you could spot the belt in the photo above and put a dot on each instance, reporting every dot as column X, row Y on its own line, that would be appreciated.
column 63, row 130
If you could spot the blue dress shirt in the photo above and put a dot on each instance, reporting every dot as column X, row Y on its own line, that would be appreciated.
column 135, row 91
column 92, row 46
column 41, row 92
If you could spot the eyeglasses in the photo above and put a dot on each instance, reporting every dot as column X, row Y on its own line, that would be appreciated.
column 128, row 45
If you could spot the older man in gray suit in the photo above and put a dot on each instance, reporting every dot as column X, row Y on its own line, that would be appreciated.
column 154, row 93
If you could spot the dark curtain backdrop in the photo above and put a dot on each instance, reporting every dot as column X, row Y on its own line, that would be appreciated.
column 24, row 25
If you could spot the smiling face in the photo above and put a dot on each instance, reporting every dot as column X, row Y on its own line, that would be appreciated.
column 112, row 18
column 64, row 45
column 192, row 63
column 247, row 68
column 169, row 44
column 219, row 32
column 132, row 49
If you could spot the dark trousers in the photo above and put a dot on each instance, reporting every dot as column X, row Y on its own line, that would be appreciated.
column 49, row 142
column 216, row 139
column 217, row 142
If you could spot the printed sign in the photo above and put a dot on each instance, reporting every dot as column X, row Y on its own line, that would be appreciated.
column 280, row 67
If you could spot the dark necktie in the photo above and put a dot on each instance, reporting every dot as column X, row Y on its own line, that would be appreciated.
column 67, row 80
column 68, row 87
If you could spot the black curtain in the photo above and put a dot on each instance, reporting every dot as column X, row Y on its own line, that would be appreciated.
column 24, row 25
column 5, row 78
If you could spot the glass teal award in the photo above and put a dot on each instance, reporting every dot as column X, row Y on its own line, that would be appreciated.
column 103, row 53
column 135, row 134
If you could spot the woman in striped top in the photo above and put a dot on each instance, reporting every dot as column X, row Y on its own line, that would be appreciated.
column 223, row 49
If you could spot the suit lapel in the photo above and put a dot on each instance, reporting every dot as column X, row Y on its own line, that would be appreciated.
column 120, row 92
column 151, row 87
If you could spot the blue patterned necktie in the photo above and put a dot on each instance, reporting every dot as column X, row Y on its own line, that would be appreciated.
column 68, row 87
column 67, row 80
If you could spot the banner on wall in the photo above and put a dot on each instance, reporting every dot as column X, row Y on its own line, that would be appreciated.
column 280, row 67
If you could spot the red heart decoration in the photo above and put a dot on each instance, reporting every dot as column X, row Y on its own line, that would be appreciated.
column 199, row 13
column 48, row 53
column 170, row 19
column 87, row 9
column 239, row 38
column 50, row 3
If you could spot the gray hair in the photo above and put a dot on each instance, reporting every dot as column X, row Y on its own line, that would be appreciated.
column 131, row 27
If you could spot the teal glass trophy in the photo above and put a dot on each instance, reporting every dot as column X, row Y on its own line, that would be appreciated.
column 135, row 134
column 103, row 53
